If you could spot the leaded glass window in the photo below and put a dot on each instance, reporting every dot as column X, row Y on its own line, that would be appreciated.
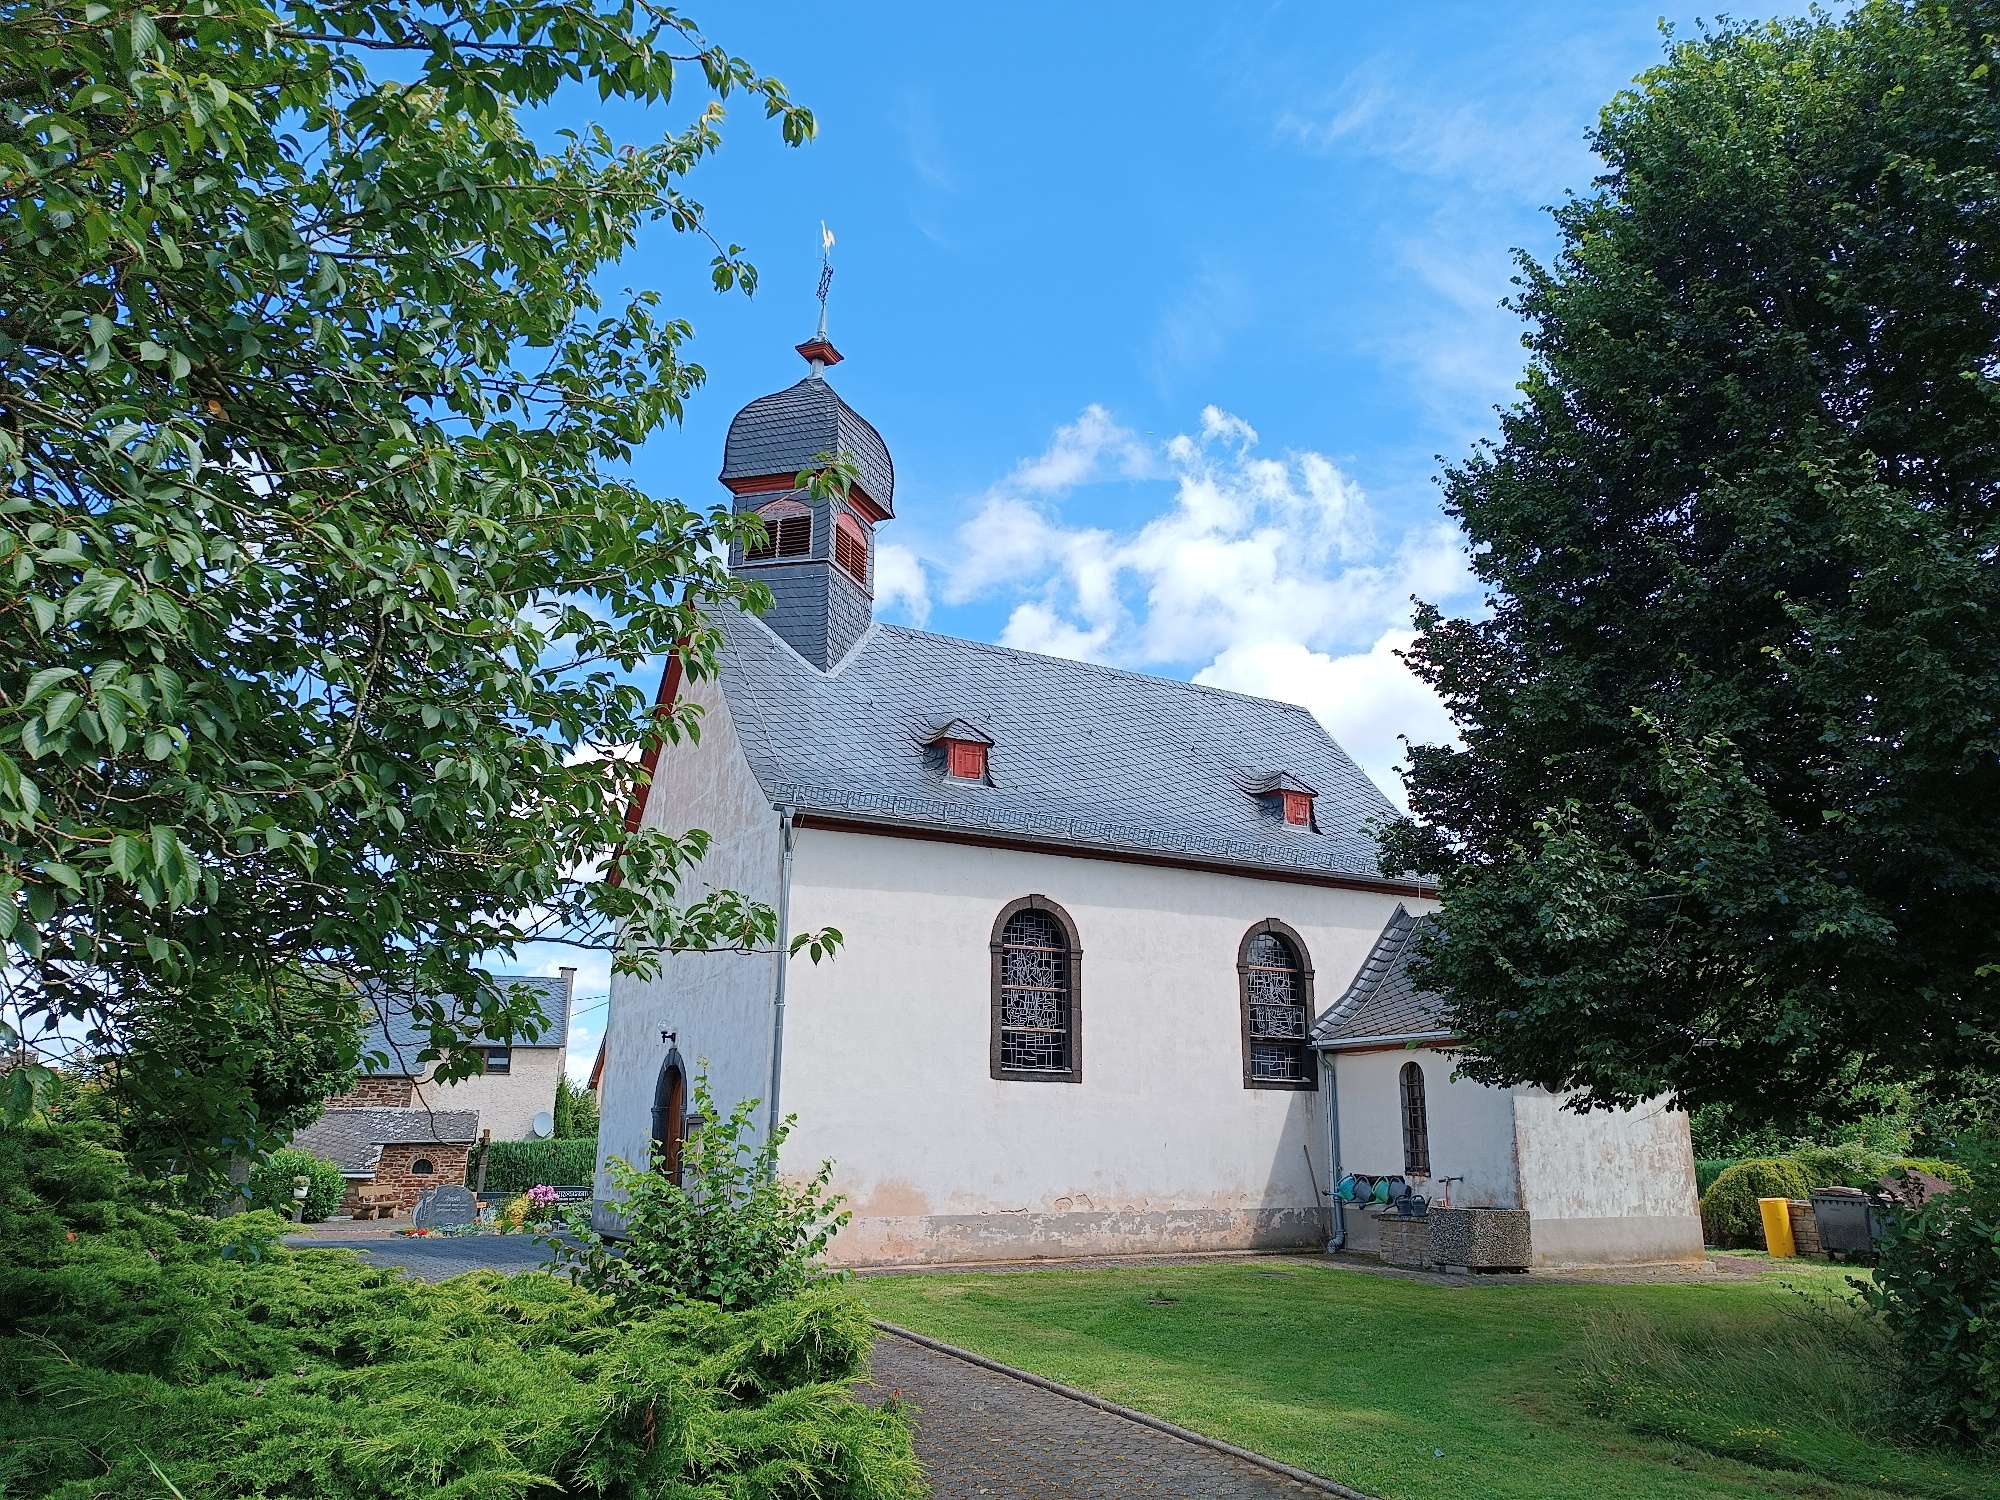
column 1034, row 994
column 1416, row 1124
column 1275, row 995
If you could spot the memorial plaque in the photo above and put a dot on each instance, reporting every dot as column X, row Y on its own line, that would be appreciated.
column 447, row 1206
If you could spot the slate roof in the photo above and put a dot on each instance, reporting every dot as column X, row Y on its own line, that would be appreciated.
column 395, row 1033
column 1382, row 1005
column 355, row 1137
column 782, row 433
column 1082, row 755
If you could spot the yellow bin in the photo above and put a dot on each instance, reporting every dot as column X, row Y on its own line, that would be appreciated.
column 1777, row 1214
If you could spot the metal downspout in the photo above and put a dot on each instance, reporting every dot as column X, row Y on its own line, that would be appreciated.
column 1329, row 1061
column 778, row 990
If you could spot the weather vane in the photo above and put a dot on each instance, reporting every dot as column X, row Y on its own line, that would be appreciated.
column 825, row 272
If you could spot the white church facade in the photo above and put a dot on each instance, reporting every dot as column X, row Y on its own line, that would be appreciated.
column 1117, row 959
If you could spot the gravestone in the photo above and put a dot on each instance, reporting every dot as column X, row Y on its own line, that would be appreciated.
column 446, row 1206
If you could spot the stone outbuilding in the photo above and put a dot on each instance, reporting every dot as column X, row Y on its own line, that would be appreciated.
column 405, row 1150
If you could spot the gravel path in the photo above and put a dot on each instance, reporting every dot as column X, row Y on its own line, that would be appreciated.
column 983, row 1433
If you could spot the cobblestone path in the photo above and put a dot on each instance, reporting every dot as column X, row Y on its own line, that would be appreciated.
column 981, row 1433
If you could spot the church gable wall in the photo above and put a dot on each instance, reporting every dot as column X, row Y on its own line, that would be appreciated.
column 718, row 1005
column 1159, row 1147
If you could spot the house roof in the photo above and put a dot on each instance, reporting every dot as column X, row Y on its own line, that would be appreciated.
column 782, row 433
column 1382, row 1005
column 355, row 1137
column 395, row 1033
column 1082, row 755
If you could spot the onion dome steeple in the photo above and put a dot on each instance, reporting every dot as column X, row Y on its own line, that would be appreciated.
column 819, row 560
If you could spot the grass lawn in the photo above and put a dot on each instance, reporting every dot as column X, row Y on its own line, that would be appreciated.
column 1770, row 1385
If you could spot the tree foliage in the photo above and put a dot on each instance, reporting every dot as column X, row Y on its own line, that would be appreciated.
column 319, row 576
column 1726, row 820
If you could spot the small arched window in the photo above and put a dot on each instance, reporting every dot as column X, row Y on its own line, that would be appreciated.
column 670, row 1116
column 423, row 1167
column 788, row 532
column 1037, row 1036
column 1416, row 1124
column 1275, row 997
column 850, row 547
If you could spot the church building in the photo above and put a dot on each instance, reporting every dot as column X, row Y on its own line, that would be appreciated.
column 1107, row 940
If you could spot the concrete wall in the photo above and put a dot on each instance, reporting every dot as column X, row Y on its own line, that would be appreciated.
column 1471, row 1131
column 1160, row 1147
column 507, row 1102
column 1606, row 1187
column 718, row 1003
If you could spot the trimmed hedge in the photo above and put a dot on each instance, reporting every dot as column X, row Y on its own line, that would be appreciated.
column 1707, row 1169
column 516, row 1166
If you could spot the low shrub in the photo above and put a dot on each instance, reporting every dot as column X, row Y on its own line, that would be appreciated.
column 142, row 1349
column 1706, row 1170
column 516, row 1166
column 1937, row 1287
column 271, row 1183
column 1729, row 1213
column 733, row 1232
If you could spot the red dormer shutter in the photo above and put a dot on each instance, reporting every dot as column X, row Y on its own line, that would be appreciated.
column 1299, row 808
column 965, row 759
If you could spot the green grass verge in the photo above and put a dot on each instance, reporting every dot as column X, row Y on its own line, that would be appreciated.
column 1510, row 1387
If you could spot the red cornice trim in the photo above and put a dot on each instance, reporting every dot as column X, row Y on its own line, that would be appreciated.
column 765, row 484
column 597, row 1068
column 663, row 703
column 1413, row 888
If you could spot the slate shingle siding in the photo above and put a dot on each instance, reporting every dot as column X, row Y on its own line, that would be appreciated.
column 394, row 1033
column 1383, row 1001
column 782, row 433
column 1082, row 754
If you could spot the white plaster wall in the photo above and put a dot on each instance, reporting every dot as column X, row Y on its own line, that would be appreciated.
column 507, row 1102
column 1471, row 1131
column 1160, row 1147
column 1608, row 1186
column 718, row 1003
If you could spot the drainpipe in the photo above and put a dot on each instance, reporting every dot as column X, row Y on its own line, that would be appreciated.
column 1329, row 1061
column 778, row 995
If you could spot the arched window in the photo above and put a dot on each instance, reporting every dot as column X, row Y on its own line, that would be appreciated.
column 1275, row 997
column 423, row 1167
column 788, row 532
column 850, row 547
column 1037, row 963
column 1416, row 1124
column 670, row 1115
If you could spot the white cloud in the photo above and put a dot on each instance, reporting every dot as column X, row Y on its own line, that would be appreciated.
column 1266, row 574
column 900, row 582
column 1369, row 700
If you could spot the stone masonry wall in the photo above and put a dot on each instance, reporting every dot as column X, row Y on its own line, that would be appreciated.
column 384, row 1091
column 394, row 1171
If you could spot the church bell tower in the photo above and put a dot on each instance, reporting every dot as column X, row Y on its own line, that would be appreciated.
column 819, row 563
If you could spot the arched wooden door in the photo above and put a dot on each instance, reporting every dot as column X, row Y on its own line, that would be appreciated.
column 670, row 1115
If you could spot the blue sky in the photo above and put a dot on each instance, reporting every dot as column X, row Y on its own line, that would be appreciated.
column 1166, row 311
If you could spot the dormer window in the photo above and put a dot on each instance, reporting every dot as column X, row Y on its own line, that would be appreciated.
column 1286, row 798
column 964, row 749
column 788, row 532
column 850, row 547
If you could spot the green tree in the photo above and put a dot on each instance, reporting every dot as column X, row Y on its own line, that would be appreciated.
column 1726, row 819
column 575, row 1111
column 319, row 573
